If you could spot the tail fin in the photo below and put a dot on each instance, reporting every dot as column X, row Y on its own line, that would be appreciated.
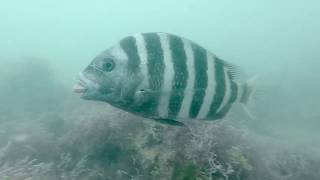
column 249, row 89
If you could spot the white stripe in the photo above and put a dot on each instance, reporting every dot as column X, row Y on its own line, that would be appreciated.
column 117, row 51
column 211, row 88
column 142, row 52
column 227, row 90
column 163, row 106
column 188, row 92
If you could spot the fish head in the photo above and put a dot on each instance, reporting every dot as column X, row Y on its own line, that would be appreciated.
column 102, row 79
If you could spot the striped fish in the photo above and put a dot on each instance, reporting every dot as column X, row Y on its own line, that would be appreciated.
column 163, row 77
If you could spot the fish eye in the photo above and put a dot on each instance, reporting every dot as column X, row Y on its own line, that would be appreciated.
column 108, row 65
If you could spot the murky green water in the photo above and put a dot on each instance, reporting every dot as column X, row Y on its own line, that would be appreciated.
column 48, row 132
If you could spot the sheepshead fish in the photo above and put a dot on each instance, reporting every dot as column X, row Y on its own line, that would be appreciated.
column 163, row 77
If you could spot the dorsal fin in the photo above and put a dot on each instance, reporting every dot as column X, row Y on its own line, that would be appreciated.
column 235, row 72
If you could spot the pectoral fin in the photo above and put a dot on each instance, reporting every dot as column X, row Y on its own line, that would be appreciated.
column 170, row 122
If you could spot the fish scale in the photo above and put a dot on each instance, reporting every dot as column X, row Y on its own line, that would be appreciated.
column 220, row 88
column 180, row 75
column 201, row 79
column 155, row 70
column 129, row 46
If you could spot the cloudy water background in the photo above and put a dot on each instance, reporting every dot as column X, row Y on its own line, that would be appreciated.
column 48, row 132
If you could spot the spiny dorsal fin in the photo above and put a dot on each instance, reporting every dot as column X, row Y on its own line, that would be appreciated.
column 235, row 72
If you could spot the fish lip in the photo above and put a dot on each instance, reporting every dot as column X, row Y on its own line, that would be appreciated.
column 79, row 82
column 86, row 83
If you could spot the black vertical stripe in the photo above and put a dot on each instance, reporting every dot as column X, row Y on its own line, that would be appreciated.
column 220, row 88
column 201, row 79
column 155, row 65
column 179, row 83
column 155, row 61
column 232, row 99
column 129, row 46
column 234, row 92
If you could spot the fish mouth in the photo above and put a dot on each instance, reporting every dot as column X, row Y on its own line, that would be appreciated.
column 80, row 87
column 84, row 84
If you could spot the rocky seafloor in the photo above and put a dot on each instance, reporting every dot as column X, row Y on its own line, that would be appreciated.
column 47, row 133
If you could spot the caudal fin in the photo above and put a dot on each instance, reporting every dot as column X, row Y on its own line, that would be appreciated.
column 248, row 90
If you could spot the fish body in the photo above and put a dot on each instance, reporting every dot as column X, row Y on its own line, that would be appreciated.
column 163, row 77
